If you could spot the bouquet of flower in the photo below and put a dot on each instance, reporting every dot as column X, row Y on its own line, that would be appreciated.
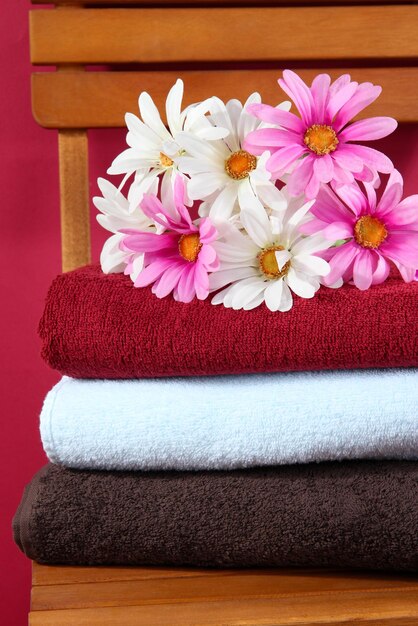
column 284, row 203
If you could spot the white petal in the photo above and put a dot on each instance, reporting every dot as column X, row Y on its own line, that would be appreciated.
column 224, row 204
column 112, row 259
column 151, row 116
column 173, row 107
column 311, row 265
column 224, row 277
column 282, row 257
column 298, row 285
column 257, row 226
column 287, row 299
column 215, row 151
column 310, row 245
column 203, row 185
column 273, row 294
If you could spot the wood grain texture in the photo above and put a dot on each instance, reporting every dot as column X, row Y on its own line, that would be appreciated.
column 115, row 3
column 74, row 198
column 218, row 587
column 69, row 100
column 374, row 608
column 222, row 34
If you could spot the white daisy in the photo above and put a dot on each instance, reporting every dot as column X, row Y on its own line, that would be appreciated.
column 269, row 262
column 227, row 177
column 115, row 216
column 153, row 150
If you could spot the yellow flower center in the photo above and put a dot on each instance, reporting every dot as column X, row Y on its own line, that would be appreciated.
column 321, row 139
column 165, row 161
column 240, row 164
column 268, row 263
column 370, row 232
column 189, row 247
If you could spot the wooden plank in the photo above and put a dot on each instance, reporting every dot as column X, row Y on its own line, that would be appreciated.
column 380, row 608
column 161, row 35
column 69, row 100
column 74, row 198
column 209, row 2
column 62, row 575
column 240, row 585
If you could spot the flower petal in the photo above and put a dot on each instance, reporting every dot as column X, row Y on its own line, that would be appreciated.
column 368, row 129
column 298, row 285
column 273, row 294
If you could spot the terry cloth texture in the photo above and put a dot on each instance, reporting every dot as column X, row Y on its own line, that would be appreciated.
column 348, row 514
column 100, row 326
column 229, row 422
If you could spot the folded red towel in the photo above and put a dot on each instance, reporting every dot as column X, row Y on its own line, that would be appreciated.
column 100, row 326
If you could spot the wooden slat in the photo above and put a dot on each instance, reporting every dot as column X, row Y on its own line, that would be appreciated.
column 239, row 585
column 70, row 100
column 67, row 575
column 74, row 194
column 382, row 608
column 223, row 34
column 210, row 2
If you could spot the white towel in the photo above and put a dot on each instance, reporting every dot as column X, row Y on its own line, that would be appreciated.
column 232, row 421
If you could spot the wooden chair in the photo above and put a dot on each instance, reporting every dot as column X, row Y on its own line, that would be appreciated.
column 228, row 48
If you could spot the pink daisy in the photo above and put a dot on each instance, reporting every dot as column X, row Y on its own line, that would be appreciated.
column 375, row 232
column 322, row 134
column 179, row 259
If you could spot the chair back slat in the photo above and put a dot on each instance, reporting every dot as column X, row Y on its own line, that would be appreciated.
column 53, row 91
column 225, row 34
column 228, row 48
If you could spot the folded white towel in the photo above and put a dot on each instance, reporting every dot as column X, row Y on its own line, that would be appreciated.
column 232, row 421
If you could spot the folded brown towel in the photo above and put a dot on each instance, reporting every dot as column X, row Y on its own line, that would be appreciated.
column 349, row 514
column 100, row 326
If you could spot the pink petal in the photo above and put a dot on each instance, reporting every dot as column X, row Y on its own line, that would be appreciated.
column 353, row 198
column 407, row 211
column 401, row 247
column 363, row 269
column 312, row 227
column 371, row 196
column 207, row 231
column 366, row 175
column 152, row 272
column 149, row 242
column 281, row 160
column 324, row 168
column 338, row 230
column 207, row 256
column 296, row 89
column 300, row 176
column 365, row 94
column 408, row 273
column 168, row 280
column 373, row 158
column 201, row 282
column 185, row 288
column 329, row 208
column 339, row 84
column 341, row 175
column 320, row 91
column 312, row 187
column 392, row 194
column 272, row 115
column 368, row 129
column 342, row 258
column 346, row 157
column 340, row 98
column 267, row 138
column 382, row 270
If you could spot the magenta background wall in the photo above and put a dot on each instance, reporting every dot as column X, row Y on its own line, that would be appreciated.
column 30, row 257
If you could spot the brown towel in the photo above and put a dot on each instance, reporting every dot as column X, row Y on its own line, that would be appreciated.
column 98, row 326
column 349, row 514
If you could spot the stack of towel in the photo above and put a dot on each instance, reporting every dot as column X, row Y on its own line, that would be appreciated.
column 198, row 435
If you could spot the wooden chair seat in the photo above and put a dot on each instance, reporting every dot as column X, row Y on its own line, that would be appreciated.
column 228, row 48
column 120, row 596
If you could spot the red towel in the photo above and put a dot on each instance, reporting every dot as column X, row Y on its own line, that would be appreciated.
column 100, row 326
